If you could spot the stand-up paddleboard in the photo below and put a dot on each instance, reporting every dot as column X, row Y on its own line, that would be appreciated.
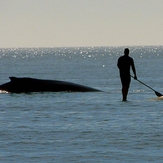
column 160, row 98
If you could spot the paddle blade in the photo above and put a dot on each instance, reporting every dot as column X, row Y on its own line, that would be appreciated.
column 158, row 94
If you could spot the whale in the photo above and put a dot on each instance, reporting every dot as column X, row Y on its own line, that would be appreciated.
column 27, row 85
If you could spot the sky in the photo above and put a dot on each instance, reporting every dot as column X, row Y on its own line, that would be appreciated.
column 78, row 23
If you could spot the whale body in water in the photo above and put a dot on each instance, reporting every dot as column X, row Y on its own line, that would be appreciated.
column 26, row 85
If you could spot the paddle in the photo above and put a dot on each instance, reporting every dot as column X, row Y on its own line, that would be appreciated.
column 157, row 93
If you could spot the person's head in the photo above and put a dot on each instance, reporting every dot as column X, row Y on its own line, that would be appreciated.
column 126, row 51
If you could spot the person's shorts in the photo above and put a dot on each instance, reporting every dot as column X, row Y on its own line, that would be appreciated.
column 125, row 80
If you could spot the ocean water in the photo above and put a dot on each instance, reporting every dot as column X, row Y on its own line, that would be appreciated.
column 78, row 127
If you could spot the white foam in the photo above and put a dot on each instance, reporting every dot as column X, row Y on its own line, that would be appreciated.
column 2, row 91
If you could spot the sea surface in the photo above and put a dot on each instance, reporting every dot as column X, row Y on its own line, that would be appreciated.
column 92, row 127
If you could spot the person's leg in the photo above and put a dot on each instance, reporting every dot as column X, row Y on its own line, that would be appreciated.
column 125, row 80
column 125, row 92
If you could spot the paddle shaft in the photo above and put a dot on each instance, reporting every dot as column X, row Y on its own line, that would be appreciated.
column 157, row 93
column 144, row 84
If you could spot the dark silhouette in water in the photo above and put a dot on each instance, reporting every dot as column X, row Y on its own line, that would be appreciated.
column 124, row 64
column 26, row 85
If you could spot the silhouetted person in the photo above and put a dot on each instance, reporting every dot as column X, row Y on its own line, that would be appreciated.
column 124, row 64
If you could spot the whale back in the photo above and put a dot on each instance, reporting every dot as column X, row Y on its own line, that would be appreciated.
column 26, row 84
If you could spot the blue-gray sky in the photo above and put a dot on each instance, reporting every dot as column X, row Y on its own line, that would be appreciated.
column 70, row 23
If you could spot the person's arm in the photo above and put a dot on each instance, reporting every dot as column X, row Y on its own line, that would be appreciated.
column 118, row 64
column 134, row 70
